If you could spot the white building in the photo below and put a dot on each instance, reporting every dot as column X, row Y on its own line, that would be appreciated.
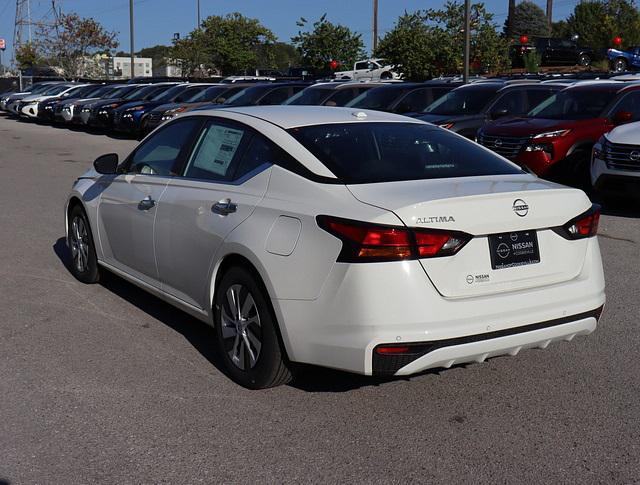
column 120, row 67
column 168, row 68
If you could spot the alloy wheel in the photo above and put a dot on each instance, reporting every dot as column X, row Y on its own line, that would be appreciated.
column 241, row 328
column 79, row 242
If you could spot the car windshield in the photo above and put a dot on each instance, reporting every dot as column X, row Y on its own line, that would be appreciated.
column 80, row 90
column 40, row 88
column 247, row 96
column 462, row 102
column 56, row 90
column 168, row 95
column 135, row 93
column 209, row 94
column 309, row 97
column 91, row 91
column 377, row 98
column 578, row 104
column 384, row 152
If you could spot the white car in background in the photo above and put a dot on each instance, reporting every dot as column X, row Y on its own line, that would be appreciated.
column 370, row 70
column 29, row 106
column 358, row 240
column 615, row 163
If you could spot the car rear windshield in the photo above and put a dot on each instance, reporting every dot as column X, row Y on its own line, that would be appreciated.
column 578, row 104
column 462, row 102
column 384, row 152
column 309, row 97
column 377, row 98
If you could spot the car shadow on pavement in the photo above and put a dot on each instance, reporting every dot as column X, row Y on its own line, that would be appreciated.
column 201, row 336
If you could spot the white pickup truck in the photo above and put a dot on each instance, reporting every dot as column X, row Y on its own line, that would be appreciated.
column 370, row 70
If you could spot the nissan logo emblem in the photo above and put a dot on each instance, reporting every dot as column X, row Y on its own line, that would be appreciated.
column 520, row 207
column 498, row 142
column 635, row 156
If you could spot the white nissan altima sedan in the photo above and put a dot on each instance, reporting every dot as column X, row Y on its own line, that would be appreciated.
column 357, row 240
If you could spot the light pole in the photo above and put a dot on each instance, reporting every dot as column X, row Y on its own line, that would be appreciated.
column 198, row 26
column 467, row 38
column 133, row 65
column 374, row 44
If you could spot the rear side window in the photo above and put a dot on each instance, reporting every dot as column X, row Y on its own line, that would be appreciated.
column 419, row 99
column 342, row 96
column 383, row 152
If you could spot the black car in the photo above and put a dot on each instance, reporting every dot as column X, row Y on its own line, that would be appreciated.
column 101, row 114
column 556, row 51
column 330, row 94
column 402, row 97
column 82, row 110
column 467, row 108
column 216, row 94
column 265, row 94
column 128, row 117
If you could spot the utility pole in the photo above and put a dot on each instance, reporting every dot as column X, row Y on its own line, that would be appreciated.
column 550, row 13
column 133, row 64
column 467, row 38
column 198, row 26
column 374, row 42
column 512, row 9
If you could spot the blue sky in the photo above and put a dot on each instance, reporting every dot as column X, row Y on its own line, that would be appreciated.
column 157, row 20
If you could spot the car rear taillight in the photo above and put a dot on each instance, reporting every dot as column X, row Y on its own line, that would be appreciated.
column 583, row 226
column 365, row 242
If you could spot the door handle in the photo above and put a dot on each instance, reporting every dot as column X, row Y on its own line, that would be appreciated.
column 146, row 203
column 224, row 207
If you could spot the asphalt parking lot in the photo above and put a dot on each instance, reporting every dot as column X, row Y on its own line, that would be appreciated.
column 105, row 383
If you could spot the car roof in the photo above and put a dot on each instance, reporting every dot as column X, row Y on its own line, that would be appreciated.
column 598, row 85
column 287, row 116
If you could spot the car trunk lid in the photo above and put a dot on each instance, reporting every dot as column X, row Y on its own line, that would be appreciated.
column 516, row 206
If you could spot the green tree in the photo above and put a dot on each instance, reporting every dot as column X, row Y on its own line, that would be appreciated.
column 158, row 54
column 71, row 43
column 229, row 44
column 430, row 43
column 27, row 56
column 560, row 29
column 530, row 20
column 327, row 41
column 597, row 22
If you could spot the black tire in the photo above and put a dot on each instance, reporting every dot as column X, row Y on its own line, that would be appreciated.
column 84, row 263
column 386, row 75
column 620, row 65
column 247, row 364
column 572, row 171
column 584, row 60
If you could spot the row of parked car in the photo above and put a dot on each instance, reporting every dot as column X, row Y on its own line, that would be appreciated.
column 551, row 126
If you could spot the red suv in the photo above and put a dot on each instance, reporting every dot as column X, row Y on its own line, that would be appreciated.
column 555, row 138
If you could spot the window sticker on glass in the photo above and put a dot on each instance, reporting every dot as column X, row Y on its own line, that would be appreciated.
column 216, row 151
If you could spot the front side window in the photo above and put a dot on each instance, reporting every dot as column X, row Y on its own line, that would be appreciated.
column 419, row 99
column 342, row 96
column 309, row 97
column 629, row 103
column 385, row 152
column 277, row 96
column 217, row 151
column 161, row 153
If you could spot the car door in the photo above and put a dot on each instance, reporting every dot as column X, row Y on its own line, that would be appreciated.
column 361, row 69
column 128, row 202
column 223, row 180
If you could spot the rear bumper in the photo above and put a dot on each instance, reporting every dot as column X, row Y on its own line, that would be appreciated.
column 477, row 348
column 363, row 306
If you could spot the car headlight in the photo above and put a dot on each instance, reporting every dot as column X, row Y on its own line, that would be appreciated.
column 546, row 148
column 552, row 134
column 86, row 110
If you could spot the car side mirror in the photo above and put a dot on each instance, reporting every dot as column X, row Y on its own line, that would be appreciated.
column 622, row 117
column 499, row 113
column 106, row 164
